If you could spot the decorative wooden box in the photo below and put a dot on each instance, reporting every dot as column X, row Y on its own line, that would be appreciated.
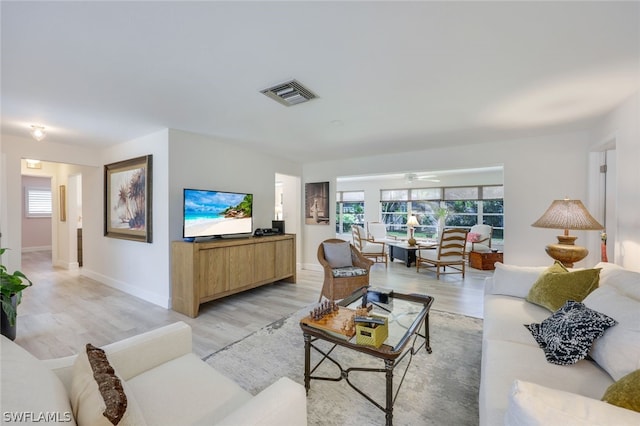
column 484, row 261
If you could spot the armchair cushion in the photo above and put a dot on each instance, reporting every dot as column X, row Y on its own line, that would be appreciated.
column 432, row 255
column 377, row 231
column 368, row 248
column 338, row 255
column 349, row 271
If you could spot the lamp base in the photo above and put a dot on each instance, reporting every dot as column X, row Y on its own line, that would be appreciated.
column 566, row 252
column 411, row 241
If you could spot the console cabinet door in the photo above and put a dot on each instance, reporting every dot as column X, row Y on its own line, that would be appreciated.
column 284, row 262
column 214, row 273
column 241, row 261
column 264, row 267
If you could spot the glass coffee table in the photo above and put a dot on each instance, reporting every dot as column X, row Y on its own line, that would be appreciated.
column 407, row 316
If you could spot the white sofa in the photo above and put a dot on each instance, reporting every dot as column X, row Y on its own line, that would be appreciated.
column 519, row 387
column 166, row 382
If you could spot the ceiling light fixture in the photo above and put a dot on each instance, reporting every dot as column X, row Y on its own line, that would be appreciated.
column 412, row 177
column 38, row 133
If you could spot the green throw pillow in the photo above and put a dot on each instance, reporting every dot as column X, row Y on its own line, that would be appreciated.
column 625, row 392
column 557, row 285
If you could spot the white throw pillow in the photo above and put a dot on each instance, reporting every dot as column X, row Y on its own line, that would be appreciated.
column 512, row 280
column 87, row 401
column 625, row 281
column 338, row 255
column 531, row 404
column 617, row 351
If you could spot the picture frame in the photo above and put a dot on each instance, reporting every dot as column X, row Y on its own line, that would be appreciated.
column 316, row 203
column 63, row 203
column 128, row 199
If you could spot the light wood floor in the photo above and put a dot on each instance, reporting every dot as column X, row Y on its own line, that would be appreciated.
column 64, row 310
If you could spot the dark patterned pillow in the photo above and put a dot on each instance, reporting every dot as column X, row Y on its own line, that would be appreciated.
column 567, row 335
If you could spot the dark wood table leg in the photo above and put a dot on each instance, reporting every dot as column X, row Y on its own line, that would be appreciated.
column 307, row 362
column 427, row 343
column 391, row 253
column 411, row 257
column 388, row 366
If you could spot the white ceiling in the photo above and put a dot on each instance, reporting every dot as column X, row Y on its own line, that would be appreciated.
column 389, row 75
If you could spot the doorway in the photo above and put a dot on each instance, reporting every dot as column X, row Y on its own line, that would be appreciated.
column 287, row 205
column 56, row 231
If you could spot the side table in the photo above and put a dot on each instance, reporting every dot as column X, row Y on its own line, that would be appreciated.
column 484, row 261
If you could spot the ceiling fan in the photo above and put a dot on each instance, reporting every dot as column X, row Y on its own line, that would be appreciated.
column 413, row 177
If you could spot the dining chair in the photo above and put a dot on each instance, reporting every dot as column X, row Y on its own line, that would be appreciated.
column 450, row 253
column 374, row 250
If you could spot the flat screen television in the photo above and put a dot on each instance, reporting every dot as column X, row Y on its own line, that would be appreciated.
column 213, row 214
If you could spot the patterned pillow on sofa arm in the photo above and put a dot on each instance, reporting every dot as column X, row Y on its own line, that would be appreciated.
column 568, row 334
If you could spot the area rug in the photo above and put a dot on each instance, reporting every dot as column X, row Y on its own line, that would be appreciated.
column 439, row 388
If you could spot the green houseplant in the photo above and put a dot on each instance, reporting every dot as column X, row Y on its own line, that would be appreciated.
column 11, row 286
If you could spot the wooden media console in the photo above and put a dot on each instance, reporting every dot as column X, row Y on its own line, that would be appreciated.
column 205, row 271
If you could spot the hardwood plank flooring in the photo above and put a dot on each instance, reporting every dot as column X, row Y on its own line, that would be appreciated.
column 64, row 310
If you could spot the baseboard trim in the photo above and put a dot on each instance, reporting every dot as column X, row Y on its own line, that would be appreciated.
column 127, row 288
column 312, row 267
column 35, row 248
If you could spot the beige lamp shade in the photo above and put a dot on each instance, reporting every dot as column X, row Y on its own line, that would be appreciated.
column 411, row 223
column 567, row 214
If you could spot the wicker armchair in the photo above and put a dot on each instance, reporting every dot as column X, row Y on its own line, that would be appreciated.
column 342, row 281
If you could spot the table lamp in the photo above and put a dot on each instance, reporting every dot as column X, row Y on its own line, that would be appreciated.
column 567, row 214
column 411, row 223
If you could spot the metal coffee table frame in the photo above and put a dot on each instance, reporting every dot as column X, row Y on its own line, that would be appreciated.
column 391, row 356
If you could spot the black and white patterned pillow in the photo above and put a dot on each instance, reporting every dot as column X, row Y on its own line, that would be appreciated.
column 567, row 335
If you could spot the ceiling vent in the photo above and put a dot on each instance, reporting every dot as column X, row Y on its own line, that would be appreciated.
column 289, row 93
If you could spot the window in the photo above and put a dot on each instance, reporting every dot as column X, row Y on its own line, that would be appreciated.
column 349, row 210
column 37, row 202
column 467, row 206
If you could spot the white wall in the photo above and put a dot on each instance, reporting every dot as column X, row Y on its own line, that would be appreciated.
column 138, row 268
column 292, row 207
column 537, row 170
column 212, row 163
column 623, row 127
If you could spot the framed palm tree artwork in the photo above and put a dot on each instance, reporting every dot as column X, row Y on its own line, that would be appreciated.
column 127, row 199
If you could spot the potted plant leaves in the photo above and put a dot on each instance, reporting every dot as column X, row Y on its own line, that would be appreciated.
column 11, row 286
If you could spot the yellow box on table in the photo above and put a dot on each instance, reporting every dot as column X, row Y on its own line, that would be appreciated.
column 372, row 336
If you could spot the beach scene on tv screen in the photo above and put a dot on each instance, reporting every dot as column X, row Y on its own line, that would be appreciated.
column 210, row 213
